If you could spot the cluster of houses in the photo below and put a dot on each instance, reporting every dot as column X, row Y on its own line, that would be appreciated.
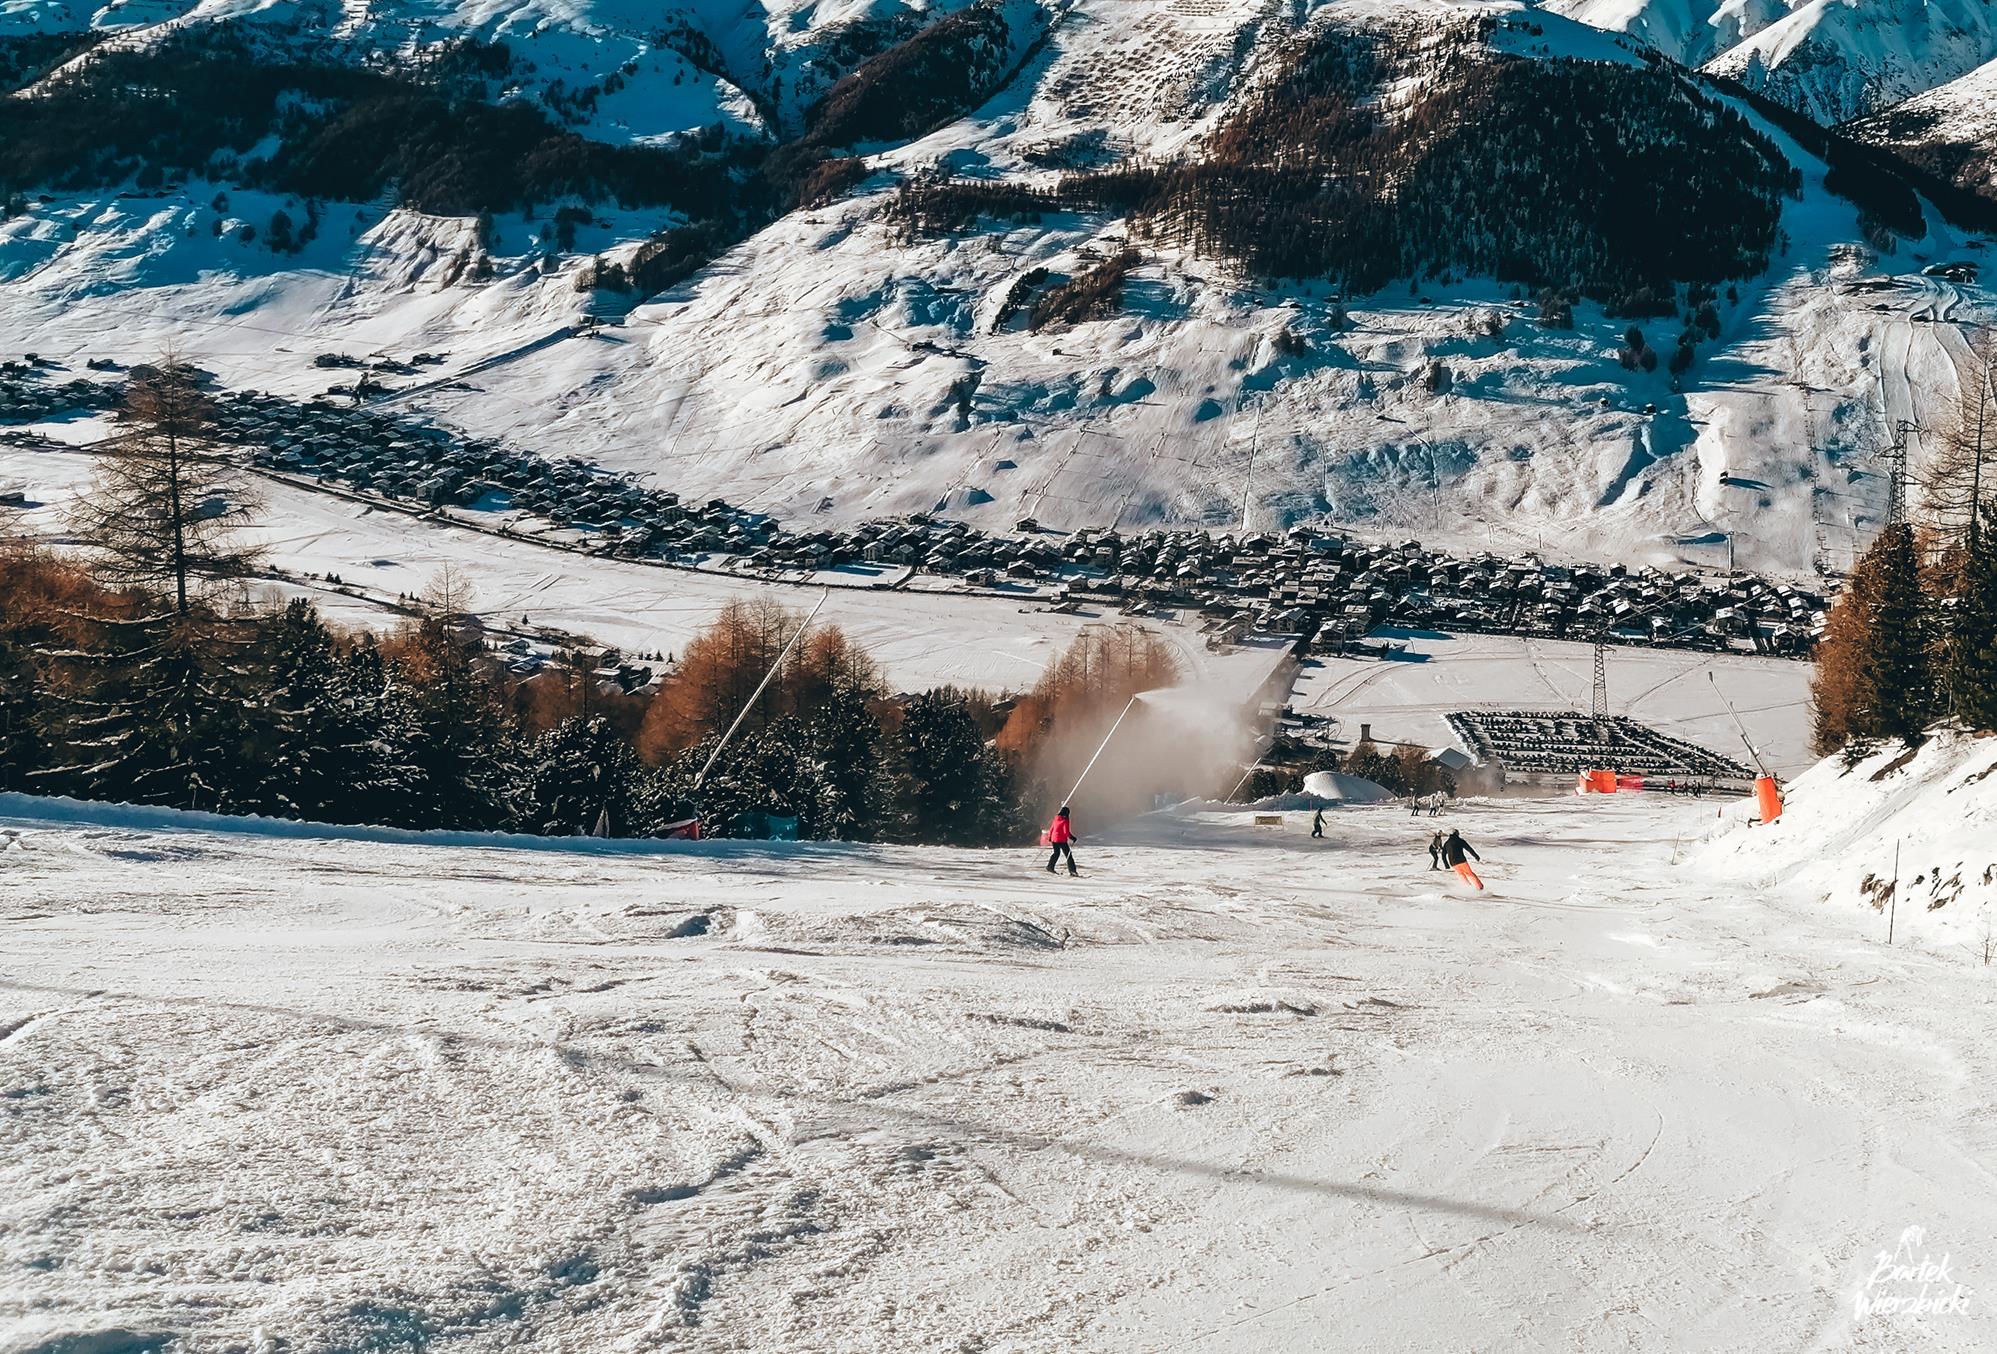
column 396, row 458
column 1298, row 581
column 1303, row 581
column 28, row 396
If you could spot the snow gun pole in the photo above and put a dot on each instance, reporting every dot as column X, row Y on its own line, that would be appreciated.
column 1099, row 749
column 1752, row 751
column 756, row 695
column 1238, row 784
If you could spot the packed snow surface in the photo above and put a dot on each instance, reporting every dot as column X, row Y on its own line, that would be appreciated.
column 1231, row 1090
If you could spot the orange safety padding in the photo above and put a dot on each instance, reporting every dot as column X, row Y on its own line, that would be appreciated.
column 1602, row 782
column 1468, row 875
column 1768, row 796
column 1629, row 782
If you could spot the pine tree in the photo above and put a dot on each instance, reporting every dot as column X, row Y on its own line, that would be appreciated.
column 22, row 702
column 845, row 738
column 164, row 507
column 574, row 777
column 956, row 786
column 1899, row 671
column 1971, row 674
column 375, row 768
column 1962, row 471
column 1875, row 676
column 160, row 719
column 458, row 754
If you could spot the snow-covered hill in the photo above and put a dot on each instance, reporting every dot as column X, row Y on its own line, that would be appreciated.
column 1833, row 59
column 1929, row 814
column 829, row 366
column 1232, row 1090
column 1951, row 129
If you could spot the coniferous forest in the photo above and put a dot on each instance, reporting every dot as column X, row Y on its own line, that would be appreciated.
column 1615, row 181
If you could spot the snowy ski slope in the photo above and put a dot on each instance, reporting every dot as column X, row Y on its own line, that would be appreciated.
column 1232, row 1090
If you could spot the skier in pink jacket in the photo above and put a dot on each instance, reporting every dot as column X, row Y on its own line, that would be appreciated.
column 1061, row 833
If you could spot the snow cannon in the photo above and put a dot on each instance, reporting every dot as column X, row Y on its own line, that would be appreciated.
column 1768, row 797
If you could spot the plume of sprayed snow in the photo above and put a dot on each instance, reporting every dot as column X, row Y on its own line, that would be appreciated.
column 1181, row 741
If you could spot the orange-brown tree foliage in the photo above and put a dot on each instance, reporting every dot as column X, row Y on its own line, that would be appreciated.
column 719, row 671
column 1054, row 728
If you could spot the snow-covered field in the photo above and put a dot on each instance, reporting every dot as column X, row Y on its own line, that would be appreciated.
column 921, row 638
column 1232, row 1089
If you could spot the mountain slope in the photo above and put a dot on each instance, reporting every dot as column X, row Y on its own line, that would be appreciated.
column 1836, row 60
column 1090, row 354
column 1952, row 130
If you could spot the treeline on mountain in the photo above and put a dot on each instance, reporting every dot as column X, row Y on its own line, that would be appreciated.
column 1616, row 181
column 934, row 76
column 1955, row 175
column 110, row 693
column 1089, row 295
column 1886, row 184
column 27, row 57
column 203, row 99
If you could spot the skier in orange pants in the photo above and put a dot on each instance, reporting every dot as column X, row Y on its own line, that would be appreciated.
column 1454, row 849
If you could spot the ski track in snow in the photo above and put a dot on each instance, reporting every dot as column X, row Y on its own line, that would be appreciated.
column 1231, row 1090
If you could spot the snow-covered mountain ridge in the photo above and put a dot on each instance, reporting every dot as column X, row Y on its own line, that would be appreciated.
column 1833, row 59
column 828, row 362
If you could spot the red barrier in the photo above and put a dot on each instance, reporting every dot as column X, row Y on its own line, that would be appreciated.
column 1768, row 797
column 1629, row 783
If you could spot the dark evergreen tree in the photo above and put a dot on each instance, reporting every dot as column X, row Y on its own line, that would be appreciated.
column 846, row 741
column 305, row 727
column 22, row 702
column 160, row 719
column 1897, row 666
column 578, row 775
column 460, row 753
column 1971, row 672
column 956, row 785
column 377, row 774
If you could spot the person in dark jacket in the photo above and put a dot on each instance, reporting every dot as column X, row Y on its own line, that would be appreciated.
column 1061, row 833
column 1435, row 852
column 1317, row 824
column 1454, row 851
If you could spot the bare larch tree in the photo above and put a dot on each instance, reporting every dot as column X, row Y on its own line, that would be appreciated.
column 1961, row 476
column 165, row 507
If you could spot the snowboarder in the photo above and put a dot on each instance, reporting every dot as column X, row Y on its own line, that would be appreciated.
column 1454, row 849
column 1435, row 852
column 1317, row 823
column 1061, row 833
